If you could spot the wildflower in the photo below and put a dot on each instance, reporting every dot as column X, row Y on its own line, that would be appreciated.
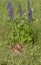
column 32, row 9
column 20, row 10
column 10, row 11
column 29, row 12
column 29, row 15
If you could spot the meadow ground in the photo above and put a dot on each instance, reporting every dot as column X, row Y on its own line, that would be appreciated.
column 31, row 54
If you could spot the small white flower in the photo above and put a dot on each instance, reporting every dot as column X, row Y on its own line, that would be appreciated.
column 32, row 9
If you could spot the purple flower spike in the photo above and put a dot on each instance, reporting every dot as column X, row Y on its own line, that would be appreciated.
column 29, row 12
column 10, row 11
column 29, row 15
column 20, row 10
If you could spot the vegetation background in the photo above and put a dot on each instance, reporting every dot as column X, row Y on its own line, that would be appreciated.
column 18, row 31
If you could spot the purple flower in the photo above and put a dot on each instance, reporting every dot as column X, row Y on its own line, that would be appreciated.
column 10, row 11
column 29, row 12
column 20, row 10
column 29, row 15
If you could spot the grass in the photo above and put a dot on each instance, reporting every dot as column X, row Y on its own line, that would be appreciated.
column 9, row 34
